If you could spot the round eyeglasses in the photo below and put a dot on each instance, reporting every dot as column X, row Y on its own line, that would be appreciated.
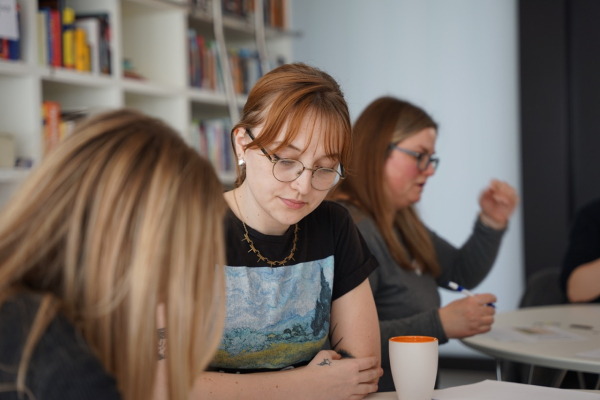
column 423, row 159
column 288, row 170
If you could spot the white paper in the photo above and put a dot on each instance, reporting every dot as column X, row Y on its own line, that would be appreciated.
column 8, row 20
column 590, row 354
column 529, row 334
column 495, row 390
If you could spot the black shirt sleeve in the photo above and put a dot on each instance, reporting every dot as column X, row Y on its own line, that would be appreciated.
column 353, row 259
column 584, row 241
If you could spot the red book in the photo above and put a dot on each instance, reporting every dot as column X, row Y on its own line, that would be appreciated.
column 4, row 52
column 56, row 38
column 52, row 116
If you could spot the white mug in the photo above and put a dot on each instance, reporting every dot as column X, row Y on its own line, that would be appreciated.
column 414, row 361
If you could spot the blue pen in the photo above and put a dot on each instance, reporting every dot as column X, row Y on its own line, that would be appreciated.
column 455, row 286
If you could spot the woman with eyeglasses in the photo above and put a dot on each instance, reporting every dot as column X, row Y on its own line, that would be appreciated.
column 297, row 268
column 394, row 157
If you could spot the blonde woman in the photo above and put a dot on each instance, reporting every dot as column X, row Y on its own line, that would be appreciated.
column 119, row 219
column 297, row 267
column 394, row 158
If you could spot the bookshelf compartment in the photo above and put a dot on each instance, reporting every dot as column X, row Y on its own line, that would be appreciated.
column 153, row 42
column 17, row 115
column 69, row 76
column 13, row 175
column 171, row 109
column 78, row 96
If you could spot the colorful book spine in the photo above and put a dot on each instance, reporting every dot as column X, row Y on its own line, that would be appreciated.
column 4, row 52
column 42, row 38
column 55, row 38
column 81, row 49
column 51, row 115
column 68, row 39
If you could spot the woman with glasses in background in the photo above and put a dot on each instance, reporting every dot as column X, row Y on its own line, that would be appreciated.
column 394, row 146
column 297, row 268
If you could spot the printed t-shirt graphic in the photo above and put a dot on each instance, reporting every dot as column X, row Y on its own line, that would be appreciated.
column 276, row 317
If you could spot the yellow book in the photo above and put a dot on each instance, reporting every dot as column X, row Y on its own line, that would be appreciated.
column 81, row 50
column 68, row 39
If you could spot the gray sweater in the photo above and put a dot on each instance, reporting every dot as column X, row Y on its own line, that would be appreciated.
column 408, row 303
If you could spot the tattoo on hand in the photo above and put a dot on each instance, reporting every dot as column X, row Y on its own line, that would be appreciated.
column 325, row 362
column 162, row 344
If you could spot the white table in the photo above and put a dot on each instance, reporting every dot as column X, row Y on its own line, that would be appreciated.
column 554, row 354
column 392, row 395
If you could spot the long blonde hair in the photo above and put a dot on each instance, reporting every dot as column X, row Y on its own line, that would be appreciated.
column 121, row 217
column 386, row 121
column 288, row 95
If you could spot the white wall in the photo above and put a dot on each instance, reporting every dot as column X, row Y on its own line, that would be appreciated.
column 458, row 60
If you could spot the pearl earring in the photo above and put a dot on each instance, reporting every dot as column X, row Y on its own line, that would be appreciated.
column 241, row 162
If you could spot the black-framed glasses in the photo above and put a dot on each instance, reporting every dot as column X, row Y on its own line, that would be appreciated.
column 423, row 159
column 288, row 170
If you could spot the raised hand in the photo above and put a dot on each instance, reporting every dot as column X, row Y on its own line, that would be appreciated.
column 497, row 201
column 468, row 316
column 348, row 378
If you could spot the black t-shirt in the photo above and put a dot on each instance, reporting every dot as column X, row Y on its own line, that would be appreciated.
column 62, row 366
column 279, row 317
column 584, row 242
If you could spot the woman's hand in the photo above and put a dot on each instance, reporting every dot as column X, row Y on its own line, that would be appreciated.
column 468, row 316
column 497, row 201
column 337, row 378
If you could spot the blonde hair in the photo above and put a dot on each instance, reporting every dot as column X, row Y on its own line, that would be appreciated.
column 121, row 217
column 286, row 97
column 386, row 121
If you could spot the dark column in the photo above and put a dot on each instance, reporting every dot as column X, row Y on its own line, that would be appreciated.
column 544, row 131
column 584, row 76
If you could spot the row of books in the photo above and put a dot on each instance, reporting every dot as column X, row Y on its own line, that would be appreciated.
column 210, row 138
column 10, row 49
column 205, row 68
column 245, row 69
column 274, row 10
column 73, row 41
column 57, row 124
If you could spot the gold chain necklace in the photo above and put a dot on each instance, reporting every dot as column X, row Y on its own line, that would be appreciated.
column 255, row 250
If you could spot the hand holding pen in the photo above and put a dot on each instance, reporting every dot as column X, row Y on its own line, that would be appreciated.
column 456, row 287
column 468, row 316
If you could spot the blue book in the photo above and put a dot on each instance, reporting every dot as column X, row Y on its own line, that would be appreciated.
column 14, row 46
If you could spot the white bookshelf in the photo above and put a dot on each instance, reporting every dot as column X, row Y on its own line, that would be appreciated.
column 152, row 34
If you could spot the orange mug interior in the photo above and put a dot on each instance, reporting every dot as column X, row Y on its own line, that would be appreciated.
column 413, row 339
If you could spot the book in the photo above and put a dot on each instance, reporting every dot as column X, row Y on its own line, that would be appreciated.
column 4, row 54
column 68, row 40
column 103, row 48
column 81, row 50
column 14, row 45
column 51, row 123
column 91, row 26
column 55, row 36
column 42, row 38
